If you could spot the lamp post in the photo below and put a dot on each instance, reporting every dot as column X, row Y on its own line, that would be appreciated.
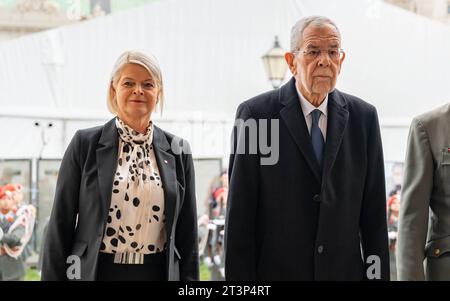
column 43, row 138
column 275, row 64
column 35, row 173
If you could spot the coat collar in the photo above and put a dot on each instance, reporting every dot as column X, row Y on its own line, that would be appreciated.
column 291, row 114
column 167, row 168
column 106, row 158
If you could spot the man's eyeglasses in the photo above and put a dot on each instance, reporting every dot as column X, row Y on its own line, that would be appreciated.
column 312, row 54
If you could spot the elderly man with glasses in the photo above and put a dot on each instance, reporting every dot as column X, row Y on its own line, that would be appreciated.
column 319, row 211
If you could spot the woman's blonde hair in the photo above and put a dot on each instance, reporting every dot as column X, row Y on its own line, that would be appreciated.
column 139, row 58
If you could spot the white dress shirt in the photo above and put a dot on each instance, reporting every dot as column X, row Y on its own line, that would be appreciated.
column 307, row 109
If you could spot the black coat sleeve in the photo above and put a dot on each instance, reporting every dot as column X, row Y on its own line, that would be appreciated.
column 61, row 227
column 373, row 222
column 240, row 234
column 186, row 232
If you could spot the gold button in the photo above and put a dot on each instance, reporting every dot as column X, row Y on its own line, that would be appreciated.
column 437, row 251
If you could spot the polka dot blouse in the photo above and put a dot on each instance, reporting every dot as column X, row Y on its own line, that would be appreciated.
column 136, row 220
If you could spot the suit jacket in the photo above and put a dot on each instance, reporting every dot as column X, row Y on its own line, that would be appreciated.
column 292, row 221
column 83, row 198
column 424, row 222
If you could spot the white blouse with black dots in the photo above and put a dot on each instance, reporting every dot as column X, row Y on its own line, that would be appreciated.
column 136, row 221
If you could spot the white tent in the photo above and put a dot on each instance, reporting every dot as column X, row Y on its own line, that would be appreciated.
column 210, row 53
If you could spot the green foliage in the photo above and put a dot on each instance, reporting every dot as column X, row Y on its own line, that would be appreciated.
column 205, row 273
column 32, row 275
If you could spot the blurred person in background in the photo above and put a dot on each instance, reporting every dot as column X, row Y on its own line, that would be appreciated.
column 28, row 212
column 423, row 243
column 14, row 236
column 216, row 204
column 393, row 211
column 219, row 197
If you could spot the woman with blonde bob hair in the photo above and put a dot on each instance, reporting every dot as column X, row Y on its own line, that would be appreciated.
column 125, row 206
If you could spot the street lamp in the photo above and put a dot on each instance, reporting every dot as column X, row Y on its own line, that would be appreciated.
column 275, row 64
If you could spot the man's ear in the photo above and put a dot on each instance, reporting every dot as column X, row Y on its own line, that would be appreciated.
column 341, row 61
column 290, row 60
column 113, row 91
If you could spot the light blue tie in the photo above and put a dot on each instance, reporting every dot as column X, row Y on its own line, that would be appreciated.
column 316, row 136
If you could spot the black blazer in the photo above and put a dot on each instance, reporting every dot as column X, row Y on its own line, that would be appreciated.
column 83, row 198
column 292, row 221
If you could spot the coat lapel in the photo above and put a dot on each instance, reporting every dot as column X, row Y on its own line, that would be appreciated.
column 106, row 156
column 292, row 116
column 337, row 122
column 167, row 169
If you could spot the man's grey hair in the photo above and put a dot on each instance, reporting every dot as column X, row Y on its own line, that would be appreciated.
column 299, row 27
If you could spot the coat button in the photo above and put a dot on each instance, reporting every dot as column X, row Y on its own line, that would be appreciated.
column 437, row 252
column 320, row 249
column 166, row 162
column 316, row 198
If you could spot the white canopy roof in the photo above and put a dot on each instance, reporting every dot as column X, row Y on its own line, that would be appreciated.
column 210, row 54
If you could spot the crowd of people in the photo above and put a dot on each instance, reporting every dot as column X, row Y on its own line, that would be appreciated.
column 212, row 226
